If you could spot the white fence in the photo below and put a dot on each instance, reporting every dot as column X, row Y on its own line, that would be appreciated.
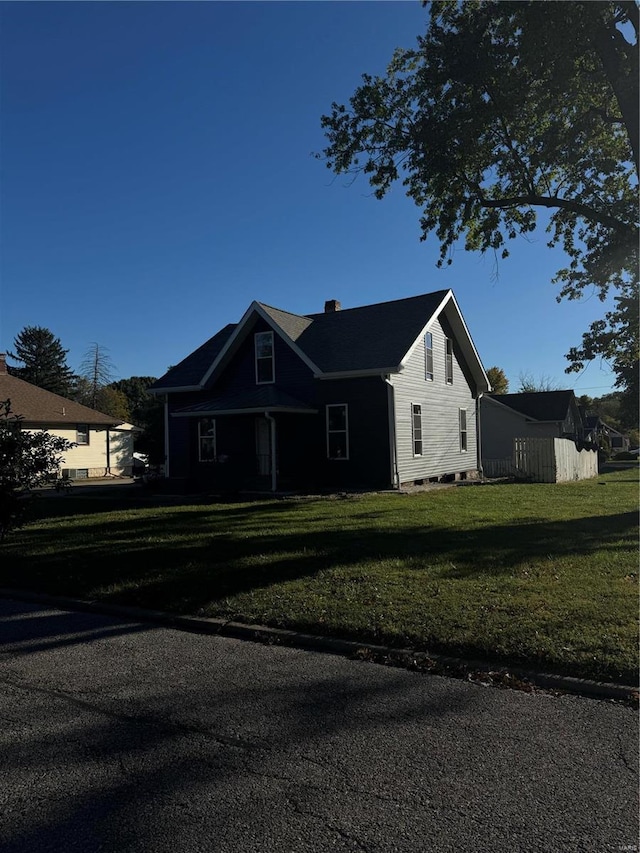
column 545, row 460
column 553, row 460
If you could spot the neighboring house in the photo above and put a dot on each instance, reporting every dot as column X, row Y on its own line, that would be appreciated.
column 534, row 414
column 104, row 445
column 595, row 429
column 369, row 397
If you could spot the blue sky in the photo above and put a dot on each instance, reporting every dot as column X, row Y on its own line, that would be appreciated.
column 157, row 176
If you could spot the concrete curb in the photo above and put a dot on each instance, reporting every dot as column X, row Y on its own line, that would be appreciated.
column 483, row 672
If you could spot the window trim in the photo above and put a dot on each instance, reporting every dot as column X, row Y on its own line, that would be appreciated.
column 78, row 432
column 414, row 439
column 344, row 431
column 428, row 356
column 448, row 361
column 201, row 437
column 272, row 358
column 464, row 442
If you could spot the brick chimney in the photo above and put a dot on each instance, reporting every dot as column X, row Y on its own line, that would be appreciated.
column 3, row 363
column 331, row 306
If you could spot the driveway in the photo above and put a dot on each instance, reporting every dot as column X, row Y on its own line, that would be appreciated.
column 120, row 736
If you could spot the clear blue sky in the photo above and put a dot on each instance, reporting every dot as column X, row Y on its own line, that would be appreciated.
column 157, row 176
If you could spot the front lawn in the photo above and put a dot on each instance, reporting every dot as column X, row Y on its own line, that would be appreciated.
column 536, row 575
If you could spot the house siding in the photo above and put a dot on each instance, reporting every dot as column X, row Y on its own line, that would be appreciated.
column 93, row 457
column 440, row 402
column 369, row 462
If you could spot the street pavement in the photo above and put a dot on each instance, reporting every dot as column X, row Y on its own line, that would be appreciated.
column 122, row 736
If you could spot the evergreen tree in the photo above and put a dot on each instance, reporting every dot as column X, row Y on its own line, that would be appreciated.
column 498, row 380
column 43, row 360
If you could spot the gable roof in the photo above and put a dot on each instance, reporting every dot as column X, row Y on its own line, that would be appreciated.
column 372, row 339
column 539, row 405
column 40, row 407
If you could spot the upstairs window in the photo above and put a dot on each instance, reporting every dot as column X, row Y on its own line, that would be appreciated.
column 428, row 357
column 448, row 361
column 264, row 358
column 337, row 431
column 206, row 440
column 416, row 428
column 463, row 429
column 82, row 433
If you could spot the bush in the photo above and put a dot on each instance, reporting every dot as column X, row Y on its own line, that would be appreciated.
column 27, row 460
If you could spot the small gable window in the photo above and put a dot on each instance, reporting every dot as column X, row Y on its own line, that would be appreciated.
column 428, row 356
column 463, row 429
column 82, row 433
column 206, row 440
column 337, row 431
column 416, row 429
column 264, row 358
column 448, row 361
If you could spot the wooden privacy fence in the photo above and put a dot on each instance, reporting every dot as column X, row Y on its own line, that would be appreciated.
column 553, row 460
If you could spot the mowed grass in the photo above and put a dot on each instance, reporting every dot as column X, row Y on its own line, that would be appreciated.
column 530, row 574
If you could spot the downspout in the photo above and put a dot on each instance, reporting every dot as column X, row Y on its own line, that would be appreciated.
column 108, row 451
column 166, row 435
column 272, row 431
column 393, row 455
column 479, row 436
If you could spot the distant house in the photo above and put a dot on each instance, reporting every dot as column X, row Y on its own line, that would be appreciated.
column 535, row 414
column 370, row 397
column 596, row 429
column 104, row 445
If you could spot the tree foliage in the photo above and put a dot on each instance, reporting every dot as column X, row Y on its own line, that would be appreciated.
column 505, row 109
column 27, row 460
column 43, row 359
column 498, row 379
column 146, row 412
column 529, row 383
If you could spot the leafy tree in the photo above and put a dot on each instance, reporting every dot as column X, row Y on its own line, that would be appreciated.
column 97, row 370
column 498, row 380
column 27, row 460
column 44, row 360
column 529, row 383
column 146, row 412
column 503, row 110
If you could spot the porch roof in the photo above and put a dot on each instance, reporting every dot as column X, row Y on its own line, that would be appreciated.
column 262, row 398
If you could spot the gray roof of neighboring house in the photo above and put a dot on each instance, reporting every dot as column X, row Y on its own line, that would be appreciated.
column 372, row 337
column 42, row 408
column 539, row 405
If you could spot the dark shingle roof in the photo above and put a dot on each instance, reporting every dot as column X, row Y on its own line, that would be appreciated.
column 365, row 338
column 540, row 405
column 37, row 406
column 372, row 337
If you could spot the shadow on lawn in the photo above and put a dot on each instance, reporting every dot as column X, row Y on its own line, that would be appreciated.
column 186, row 559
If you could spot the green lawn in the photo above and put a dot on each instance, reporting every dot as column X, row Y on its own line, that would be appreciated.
column 536, row 575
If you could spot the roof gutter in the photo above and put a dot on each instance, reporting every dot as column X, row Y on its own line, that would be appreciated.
column 354, row 374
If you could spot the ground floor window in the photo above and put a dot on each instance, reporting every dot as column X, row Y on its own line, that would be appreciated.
column 207, row 440
column 463, row 429
column 337, row 431
column 82, row 433
column 416, row 428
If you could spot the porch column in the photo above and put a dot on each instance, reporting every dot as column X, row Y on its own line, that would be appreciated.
column 274, row 476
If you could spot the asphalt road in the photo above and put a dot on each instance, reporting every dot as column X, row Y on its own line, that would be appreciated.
column 119, row 736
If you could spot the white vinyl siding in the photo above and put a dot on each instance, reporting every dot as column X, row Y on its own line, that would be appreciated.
column 440, row 410
column 93, row 457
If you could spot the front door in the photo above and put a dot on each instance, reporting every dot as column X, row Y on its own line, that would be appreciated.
column 263, row 446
